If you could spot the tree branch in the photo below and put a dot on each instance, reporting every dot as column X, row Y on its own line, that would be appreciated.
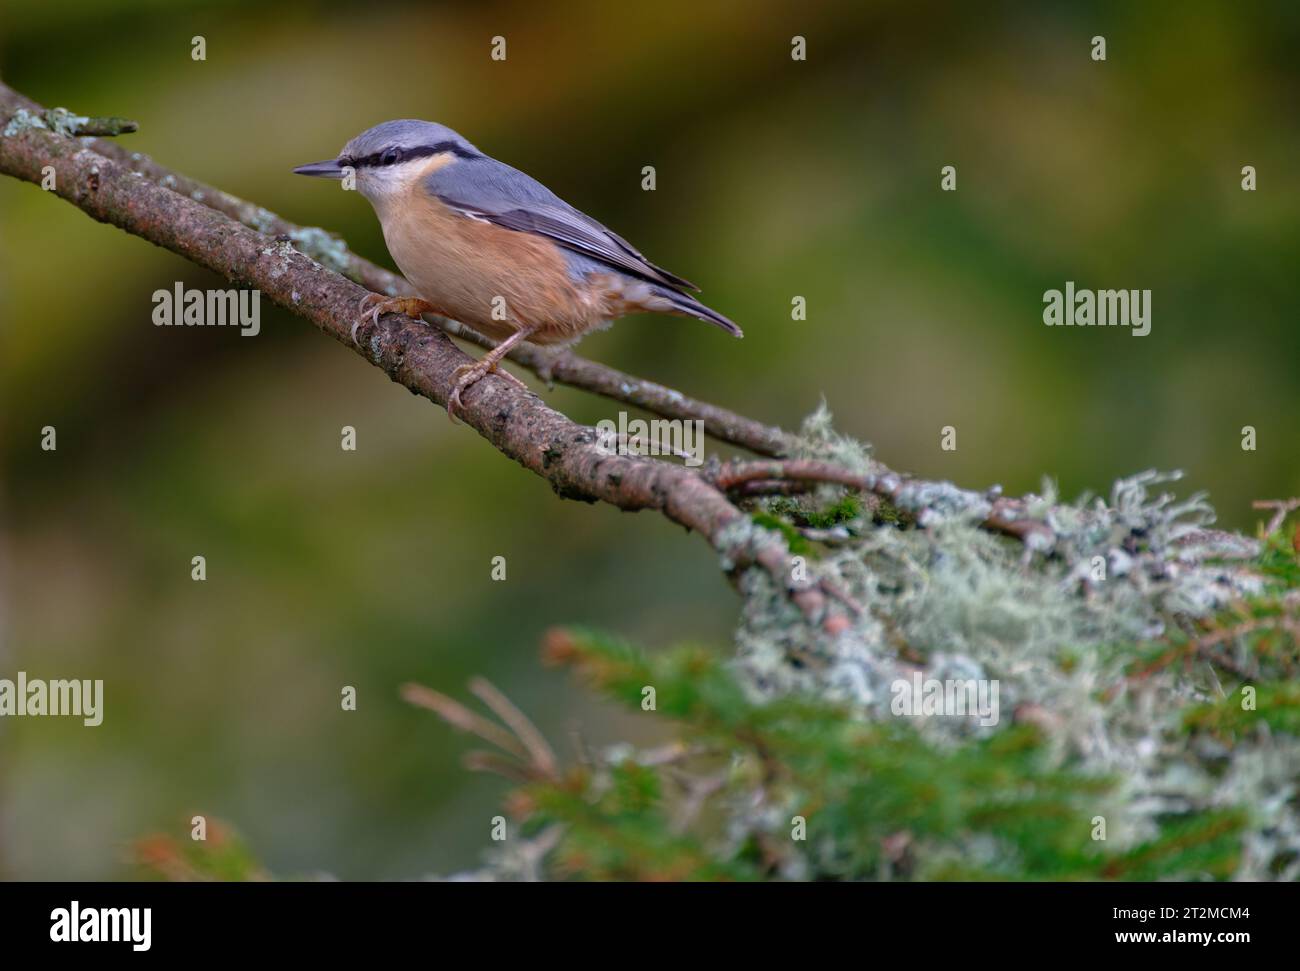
column 313, row 274
column 332, row 252
column 420, row 357
column 913, row 496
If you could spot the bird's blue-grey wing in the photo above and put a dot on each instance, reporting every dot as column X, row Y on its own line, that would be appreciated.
column 483, row 188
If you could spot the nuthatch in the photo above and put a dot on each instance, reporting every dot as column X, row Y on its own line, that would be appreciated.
column 485, row 244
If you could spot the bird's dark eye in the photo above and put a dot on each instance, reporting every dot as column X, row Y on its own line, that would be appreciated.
column 391, row 157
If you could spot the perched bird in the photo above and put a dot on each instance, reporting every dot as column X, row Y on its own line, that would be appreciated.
column 491, row 247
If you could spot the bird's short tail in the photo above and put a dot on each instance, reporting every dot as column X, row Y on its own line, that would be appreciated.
column 688, row 306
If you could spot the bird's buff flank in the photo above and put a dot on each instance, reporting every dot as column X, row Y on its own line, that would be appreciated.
column 485, row 244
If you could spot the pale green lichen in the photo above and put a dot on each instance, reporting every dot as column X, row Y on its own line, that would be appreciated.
column 64, row 122
column 284, row 250
column 950, row 600
column 24, row 120
column 325, row 248
column 261, row 220
column 61, row 121
column 818, row 439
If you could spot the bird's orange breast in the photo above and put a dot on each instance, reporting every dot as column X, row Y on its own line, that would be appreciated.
column 491, row 278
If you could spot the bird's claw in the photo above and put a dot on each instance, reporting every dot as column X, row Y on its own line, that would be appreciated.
column 368, row 307
column 375, row 305
column 468, row 375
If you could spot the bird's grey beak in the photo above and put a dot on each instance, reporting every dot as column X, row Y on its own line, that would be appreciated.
column 321, row 170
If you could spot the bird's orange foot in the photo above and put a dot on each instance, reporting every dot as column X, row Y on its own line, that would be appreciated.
column 375, row 305
column 469, row 374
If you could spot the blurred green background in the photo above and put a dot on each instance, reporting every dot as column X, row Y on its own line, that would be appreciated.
column 776, row 178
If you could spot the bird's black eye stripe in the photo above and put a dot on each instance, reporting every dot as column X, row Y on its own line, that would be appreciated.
column 395, row 156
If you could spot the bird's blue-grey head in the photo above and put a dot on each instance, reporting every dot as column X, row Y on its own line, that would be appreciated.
column 384, row 157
